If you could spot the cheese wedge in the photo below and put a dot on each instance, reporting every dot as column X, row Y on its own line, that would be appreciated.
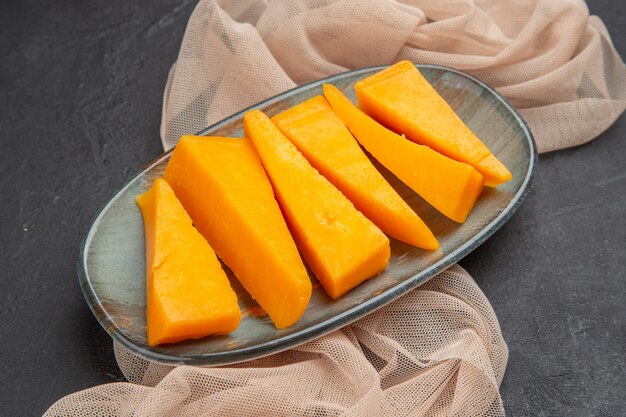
column 221, row 183
column 325, row 141
column 342, row 247
column 188, row 295
column 401, row 98
column 450, row 186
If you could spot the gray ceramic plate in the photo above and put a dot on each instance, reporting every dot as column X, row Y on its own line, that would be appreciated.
column 112, row 260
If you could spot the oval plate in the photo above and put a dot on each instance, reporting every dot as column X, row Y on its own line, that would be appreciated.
column 112, row 260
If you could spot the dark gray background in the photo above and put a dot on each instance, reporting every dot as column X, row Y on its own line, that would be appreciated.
column 80, row 101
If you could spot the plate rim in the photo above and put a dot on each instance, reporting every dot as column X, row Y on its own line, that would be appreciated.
column 348, row 316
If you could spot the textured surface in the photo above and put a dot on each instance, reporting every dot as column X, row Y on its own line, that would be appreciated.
column 79, row 112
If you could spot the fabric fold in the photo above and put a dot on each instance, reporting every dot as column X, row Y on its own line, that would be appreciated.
column 436, row 351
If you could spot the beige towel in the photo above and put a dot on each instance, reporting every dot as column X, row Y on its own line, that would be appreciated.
column 437, row 350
